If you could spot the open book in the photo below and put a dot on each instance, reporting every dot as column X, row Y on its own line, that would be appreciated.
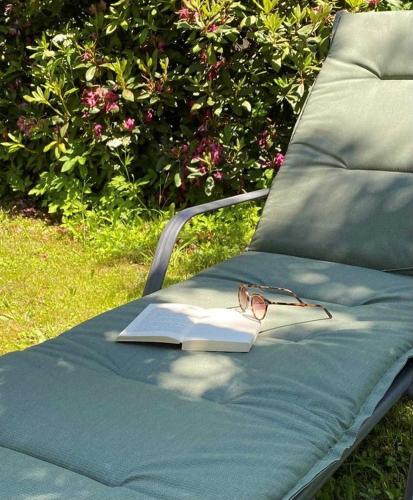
column 197, row 329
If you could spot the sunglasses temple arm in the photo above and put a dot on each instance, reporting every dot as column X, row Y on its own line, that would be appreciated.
column 267, row 287
column 304, row 304
column 330, row 316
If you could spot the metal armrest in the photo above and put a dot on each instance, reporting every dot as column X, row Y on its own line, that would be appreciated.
column 169, row 235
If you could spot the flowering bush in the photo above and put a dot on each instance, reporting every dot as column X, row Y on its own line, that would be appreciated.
column 150, row 102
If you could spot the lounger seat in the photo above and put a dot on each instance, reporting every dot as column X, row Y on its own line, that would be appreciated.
column 84, row 417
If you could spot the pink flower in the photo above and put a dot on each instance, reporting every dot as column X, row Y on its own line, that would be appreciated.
column 279, row 160
column 111, row 107
column 102, row 98
column 208, row 147
column 129, row 124
column 98, row 130
column 216, row 153
column 110, row 99
column 185, row 14
column 149, row 116
column 8, row 9
column 373, row 3
column 188, row 15
column 110, row 96
column 90, row 98
column 218, row 175
column 202, row 170
column 263, row 140
column 212, row 28
column 86, row 56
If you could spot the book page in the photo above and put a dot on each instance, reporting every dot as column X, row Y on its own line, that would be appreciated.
column 161, row 323
column 227, row 318
column 222, row 330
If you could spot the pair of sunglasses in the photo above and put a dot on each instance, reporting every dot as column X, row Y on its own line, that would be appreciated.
column 258, row 303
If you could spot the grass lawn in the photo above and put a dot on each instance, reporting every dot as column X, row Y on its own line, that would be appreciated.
column 50, row 282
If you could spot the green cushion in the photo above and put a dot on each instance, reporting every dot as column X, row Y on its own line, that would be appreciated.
column 84, row 412
column 25, row 477
column 345, row 193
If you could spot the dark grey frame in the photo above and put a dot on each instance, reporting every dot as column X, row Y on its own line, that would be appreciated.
column 402, row 385
column 168, row 237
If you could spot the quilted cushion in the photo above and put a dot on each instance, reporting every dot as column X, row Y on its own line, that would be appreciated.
column 345, row 193
column 84, row 417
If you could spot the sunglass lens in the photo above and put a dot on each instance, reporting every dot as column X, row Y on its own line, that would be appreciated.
column 243, row 298
column 258, row 306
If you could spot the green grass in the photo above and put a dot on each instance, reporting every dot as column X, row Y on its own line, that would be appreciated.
column 50, row 281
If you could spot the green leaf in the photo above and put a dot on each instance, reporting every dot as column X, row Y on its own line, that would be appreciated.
column 305, row 30
column 355, row 4
column 248, row 21
column 14, row 138
column 110, row 28
column 178, row 180
column 247, row 105
column 128, row 95
column 53, row 208
column 90, row 73
column 196, row 105
column 49, row 146
column 70, row 91
column 143, row 36
column 63, row 129
column 68, row 165
column 209, row 186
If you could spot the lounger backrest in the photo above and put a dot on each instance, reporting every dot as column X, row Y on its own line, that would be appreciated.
column 345, row 192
